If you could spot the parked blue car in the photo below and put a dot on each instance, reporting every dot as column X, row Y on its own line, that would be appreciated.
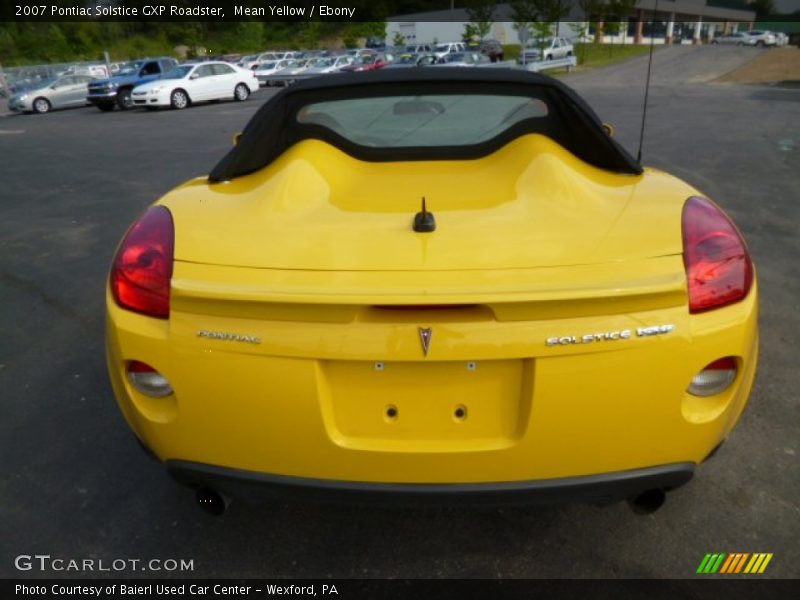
column 105, row 94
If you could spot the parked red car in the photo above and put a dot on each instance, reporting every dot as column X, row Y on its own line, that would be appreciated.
column 369, row 62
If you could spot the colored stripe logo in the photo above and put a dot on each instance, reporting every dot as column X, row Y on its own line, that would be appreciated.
column 734, row 563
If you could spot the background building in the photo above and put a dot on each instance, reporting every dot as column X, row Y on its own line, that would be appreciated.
column 677, row 21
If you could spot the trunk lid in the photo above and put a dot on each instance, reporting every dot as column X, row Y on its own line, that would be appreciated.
column 529, row 205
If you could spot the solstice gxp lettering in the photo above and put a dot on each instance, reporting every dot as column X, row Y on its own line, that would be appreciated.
column 609, row 336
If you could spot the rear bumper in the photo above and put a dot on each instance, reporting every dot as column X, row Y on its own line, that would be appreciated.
column 595, row 489
column 491, row 402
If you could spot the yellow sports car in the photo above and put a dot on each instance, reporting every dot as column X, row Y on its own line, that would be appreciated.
column 434, row 287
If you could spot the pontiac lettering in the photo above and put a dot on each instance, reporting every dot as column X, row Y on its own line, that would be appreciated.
column 229, row 337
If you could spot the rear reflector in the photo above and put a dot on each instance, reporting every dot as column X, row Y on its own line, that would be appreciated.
column 714, row 378
column 147, row 380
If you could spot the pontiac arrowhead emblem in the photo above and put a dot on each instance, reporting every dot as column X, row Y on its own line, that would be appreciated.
column 425, row 335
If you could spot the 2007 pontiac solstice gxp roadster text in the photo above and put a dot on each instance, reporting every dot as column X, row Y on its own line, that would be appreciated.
column 552, row 322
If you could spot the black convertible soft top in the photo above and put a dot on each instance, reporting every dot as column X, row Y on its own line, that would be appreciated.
column 569, row 122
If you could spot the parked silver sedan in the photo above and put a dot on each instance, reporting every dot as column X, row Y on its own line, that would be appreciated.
column 62, row 92
column 737, row 38
column 461, row 59
column 329, row 64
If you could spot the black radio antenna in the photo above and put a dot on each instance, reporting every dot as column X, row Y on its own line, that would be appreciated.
column 647, row 85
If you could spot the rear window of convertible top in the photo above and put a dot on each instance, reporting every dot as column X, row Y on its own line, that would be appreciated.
column 436, row 120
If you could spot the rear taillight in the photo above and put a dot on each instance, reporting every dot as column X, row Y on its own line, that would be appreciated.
column 718, row 266
column 142, row 268
column 147, row 380
column 714, row 378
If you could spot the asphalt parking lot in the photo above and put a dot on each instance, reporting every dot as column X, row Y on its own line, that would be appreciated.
column 75, row 485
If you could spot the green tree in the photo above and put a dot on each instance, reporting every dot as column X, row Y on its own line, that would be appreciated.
column 246, row 36
column 370, row 29
column 310, row 34
column 355, row 32
column 524, row 14
column 618, row 12
column 58, row 47
column 580, row 29
column 37, row 42
column 481, row 14
column 559, row 10
column 763, row 8
column 541, row 31
column 42, row 42
column 83, row 38
column 552, row 11
column 592, row 10
column 470, row 32
column 276, row 32
column 8, row 45
column 612, row 16
column 542, row 16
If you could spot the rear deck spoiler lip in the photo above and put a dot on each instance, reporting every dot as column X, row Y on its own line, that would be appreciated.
column 661, row 276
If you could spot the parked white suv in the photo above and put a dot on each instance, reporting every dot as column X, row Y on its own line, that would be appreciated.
column 760, row 38
column 417, row 49
column 441, row 50
column 548, row 49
